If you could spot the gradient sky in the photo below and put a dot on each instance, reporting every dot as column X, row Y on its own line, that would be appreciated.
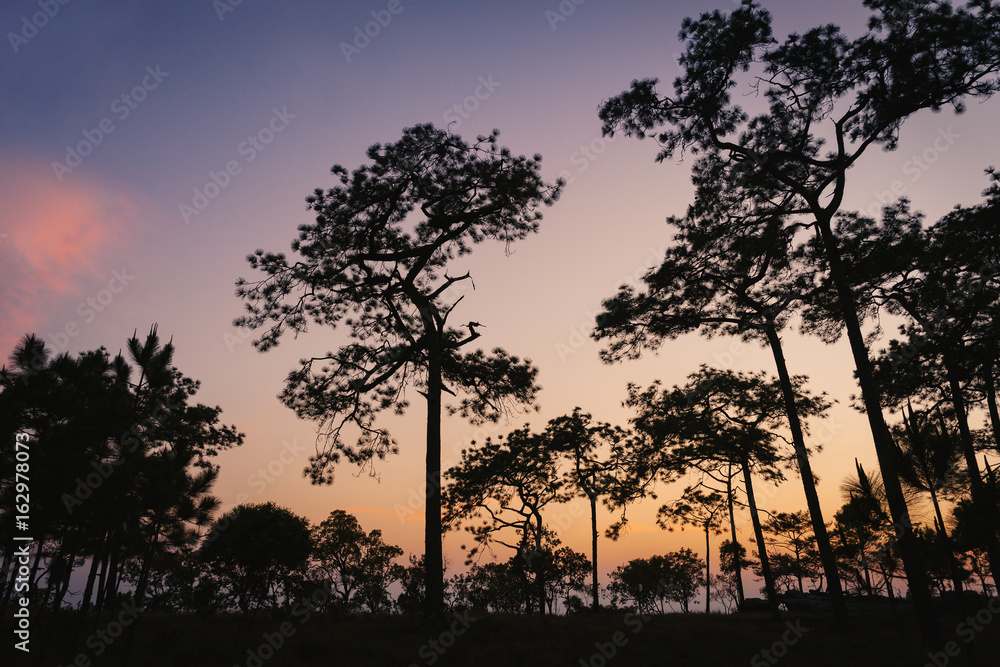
column 208, row 79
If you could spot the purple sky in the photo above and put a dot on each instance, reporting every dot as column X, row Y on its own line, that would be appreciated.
column 166, row 95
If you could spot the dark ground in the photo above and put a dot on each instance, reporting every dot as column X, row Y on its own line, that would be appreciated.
column 521, row 641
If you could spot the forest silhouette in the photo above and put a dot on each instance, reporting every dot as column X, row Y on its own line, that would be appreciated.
column 132, row 548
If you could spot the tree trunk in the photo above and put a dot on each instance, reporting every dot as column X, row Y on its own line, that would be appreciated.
column 52, row 574
column 539, row 566
column 913, row 561
column 140, row 587
column 32, row 578
column 937, row 512
column 829, row 561
column 708, row 568
column 67, row 574
column 888, row 586
column 765, row 565
column 102, row 578
column 593, row 548
column 982, row 496
column 798, row 570
column 8, row 589
column 4, row 571
column 990, row 388
column 737, row 561
column 433, row 555
column 88, row 590
column 111, row 585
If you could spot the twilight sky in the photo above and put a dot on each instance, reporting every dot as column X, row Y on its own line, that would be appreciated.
column 116, row 117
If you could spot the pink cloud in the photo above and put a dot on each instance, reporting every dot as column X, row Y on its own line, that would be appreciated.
column 55, row 239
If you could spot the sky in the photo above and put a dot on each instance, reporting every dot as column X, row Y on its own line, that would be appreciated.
column 147, row 148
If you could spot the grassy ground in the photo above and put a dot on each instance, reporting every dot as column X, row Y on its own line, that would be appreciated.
column 519, row 641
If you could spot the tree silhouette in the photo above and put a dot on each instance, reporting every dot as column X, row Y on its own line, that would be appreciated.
column 506, row 483
column 702, row 510
column 257, row 552
column 376, row 261
column 357, row 568
column 969, row 530
column 931, row 460
column 57, row 400
column 724, row 277
column 411, row 599
column 593, row 471
column 567, row 574
column 732, row 559
column 652, row 583
column 819, row 86
column 945, row 280
column 792, row 532
column 489, row 588
column 722, row 418
column 863, row 526
column 123, row 463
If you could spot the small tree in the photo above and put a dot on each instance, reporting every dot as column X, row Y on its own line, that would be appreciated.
column 489, row 587
column 506, row 483
column 357, row 568
column 258, row 552
column 653, row 583
column 791, row 532
column 637, row 584
column 702, row 510
column 376, row 261
column 597, row 455
column 684, row 576
column 732, row 560
column 411, row 598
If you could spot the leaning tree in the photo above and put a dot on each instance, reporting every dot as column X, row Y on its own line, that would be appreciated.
column 724, row 277
column 375, row 262
column 945, row 281
column 819, row 88
column 722, row 418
